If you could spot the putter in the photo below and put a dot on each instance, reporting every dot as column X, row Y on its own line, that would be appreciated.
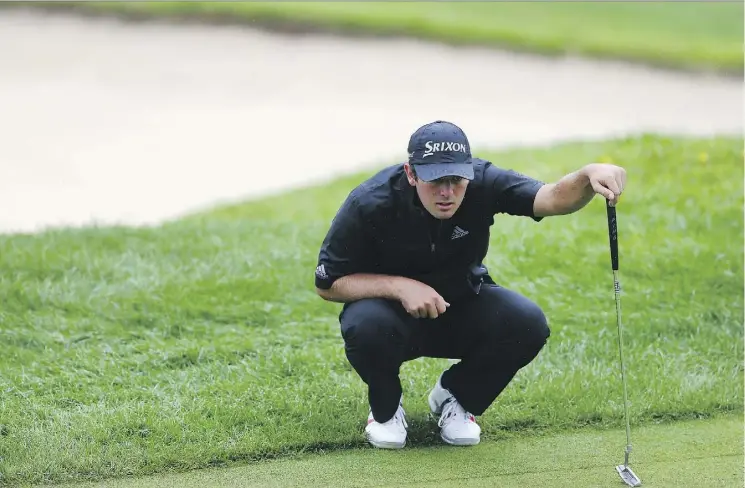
column 624, row 470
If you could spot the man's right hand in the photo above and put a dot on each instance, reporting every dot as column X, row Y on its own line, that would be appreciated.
column 420, row 300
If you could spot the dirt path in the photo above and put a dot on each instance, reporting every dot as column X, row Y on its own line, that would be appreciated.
column 131, row 123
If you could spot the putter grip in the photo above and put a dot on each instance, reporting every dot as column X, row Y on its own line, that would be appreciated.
column 612, row 234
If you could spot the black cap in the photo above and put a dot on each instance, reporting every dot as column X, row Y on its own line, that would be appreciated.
column 440, row 149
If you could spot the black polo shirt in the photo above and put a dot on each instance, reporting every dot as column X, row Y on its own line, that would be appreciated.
column 383, row 228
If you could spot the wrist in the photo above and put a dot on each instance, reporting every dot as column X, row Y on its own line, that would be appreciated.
column 396, row 285
column 586, row 176
column 587, row 170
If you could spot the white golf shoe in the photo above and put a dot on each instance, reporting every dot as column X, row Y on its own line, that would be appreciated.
column 390, row 434
column 458, row 426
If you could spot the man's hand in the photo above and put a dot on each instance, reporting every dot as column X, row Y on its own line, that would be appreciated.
column 607, row 180
column 420, row 300
column 577, row 189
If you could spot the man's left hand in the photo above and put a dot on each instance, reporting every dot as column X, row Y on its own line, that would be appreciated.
column 607, row 180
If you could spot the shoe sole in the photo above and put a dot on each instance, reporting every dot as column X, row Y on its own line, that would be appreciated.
column 386, row 445
column 460, row 442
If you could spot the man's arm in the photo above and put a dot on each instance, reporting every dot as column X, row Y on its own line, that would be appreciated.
column 343, row 270
column 577, row 189
column 418, row 299
column 355, row 287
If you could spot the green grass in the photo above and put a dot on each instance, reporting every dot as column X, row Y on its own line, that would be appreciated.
column 704, row 454
column 705, row 35
column 202, row 342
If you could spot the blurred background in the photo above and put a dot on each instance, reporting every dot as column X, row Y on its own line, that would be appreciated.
column 134, row 113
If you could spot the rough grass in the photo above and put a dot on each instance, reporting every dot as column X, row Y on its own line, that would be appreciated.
column 202, row 342
column 697, row 35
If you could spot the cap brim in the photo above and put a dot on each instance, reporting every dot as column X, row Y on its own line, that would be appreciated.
column 431, row 172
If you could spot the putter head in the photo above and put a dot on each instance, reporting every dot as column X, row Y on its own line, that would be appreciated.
column 628, row 476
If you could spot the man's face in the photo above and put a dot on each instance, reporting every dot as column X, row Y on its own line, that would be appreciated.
column 441, row 197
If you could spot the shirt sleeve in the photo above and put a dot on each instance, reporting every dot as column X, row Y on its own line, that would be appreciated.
column 511, row 192
column 344, row 250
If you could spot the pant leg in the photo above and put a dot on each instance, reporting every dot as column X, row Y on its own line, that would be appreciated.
column 377, row 340
column 495, row 335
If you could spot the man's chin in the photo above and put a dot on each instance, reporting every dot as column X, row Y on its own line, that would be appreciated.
column 444, row 214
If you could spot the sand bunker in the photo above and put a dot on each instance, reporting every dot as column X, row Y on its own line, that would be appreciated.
column 134, row 123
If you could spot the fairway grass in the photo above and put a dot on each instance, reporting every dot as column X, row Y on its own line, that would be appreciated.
column 202, row 342
column 700, row 454
column 705, row 35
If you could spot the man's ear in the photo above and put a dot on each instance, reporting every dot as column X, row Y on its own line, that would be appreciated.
column 410, row 174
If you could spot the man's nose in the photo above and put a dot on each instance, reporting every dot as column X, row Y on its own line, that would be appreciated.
column 446, row 189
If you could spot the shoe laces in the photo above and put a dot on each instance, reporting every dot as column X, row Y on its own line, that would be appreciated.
column 398, row 418
column 452, row 410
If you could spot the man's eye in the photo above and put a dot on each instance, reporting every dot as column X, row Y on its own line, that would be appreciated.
column 453, row 180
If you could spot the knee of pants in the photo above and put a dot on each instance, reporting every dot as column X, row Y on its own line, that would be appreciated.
column 538, row 324
column 528, row 331
column 370, row 326
column 534, row 330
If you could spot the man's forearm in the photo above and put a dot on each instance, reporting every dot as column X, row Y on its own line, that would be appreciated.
column 358, row 286
column 569, row 194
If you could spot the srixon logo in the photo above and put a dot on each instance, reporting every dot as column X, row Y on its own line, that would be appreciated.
column 433, row 147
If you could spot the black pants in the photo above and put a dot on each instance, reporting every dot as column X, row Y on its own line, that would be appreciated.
column 494, row 335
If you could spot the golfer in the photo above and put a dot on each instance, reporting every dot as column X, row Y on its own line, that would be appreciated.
column 404, row 254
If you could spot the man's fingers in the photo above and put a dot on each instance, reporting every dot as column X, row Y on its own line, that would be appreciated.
column 599, row 188
column 423, row 311
column 612, row 184
column 434, row 310
column 414, row 312
column 431, row 309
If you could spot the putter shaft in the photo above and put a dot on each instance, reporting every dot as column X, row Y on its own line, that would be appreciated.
column 627, row 475
column 617, row 288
